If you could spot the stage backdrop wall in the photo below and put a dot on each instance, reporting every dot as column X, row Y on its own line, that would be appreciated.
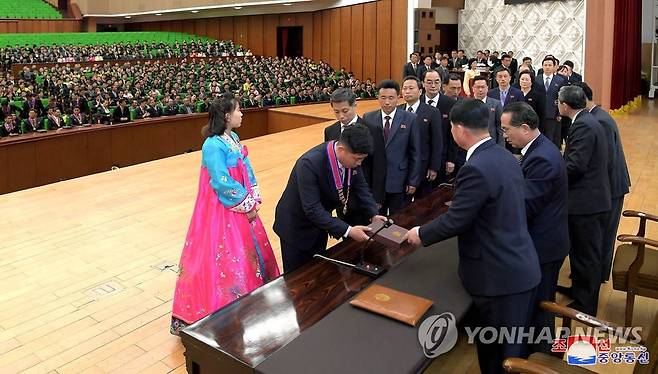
column 534, row 30
column 368, row 39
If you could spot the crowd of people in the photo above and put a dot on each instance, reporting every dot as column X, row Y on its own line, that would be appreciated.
column 156, row 88
column 35, row 54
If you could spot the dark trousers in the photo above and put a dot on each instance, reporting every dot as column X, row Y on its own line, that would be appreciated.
column 541, row 319
column 565, row 124
column 585, row 256
column 609, row 237
column 426, row 187
column 553, row 131
column 502, row 311
column 295, row 256
column 394, row 203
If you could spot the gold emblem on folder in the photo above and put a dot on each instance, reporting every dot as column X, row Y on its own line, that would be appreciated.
column 382, row 297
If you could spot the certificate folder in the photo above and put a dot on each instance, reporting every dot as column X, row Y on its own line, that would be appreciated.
column 389, row 236
column 393, row 304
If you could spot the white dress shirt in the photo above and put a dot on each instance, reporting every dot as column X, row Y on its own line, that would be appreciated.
column 524, row 150
column 414, row 107
column 470, row 151
column 392, row 115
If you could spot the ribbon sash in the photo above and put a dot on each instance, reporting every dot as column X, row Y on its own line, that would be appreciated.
column 338, row 180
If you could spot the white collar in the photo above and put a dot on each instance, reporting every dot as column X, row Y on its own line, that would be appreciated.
column 484, row 100
column 548, row 76
column 470, row 151
column 392, row 115
column 353, row 121
column 577, row 113
column 340, row 166
column 435, row 98
column 524, row 150
column 507, row 90
column 414, row 106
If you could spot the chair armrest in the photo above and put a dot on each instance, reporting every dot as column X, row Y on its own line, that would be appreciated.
column 519, row 365
column 586, row 319
column 637, row 214
column 637, row 240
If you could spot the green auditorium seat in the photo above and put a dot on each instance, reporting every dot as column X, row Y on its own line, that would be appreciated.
column 84, row 38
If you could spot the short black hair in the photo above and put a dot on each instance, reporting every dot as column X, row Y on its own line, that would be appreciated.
column 589, row 94
column 357, row 139
column 412, row 78
column 470, row 113
column 481, row 78
column 573, row 96
column 389, row 83
column 569, row 64
column 505, row 56
column 461, row 50
column 529, row 72
column 343, row 95
column 452, row 77
column 443, row 58
column 526, row 59
column 549, row 58
column 522, row 113
column 502, row 69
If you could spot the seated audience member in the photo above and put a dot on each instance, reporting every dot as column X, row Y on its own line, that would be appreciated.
column 32, row 123
column 122, row 112
column 78, row 118
column 9, row 126
column 142, row 110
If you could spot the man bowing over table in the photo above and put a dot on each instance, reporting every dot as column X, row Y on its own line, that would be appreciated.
column 498, row 264
column 325, row 178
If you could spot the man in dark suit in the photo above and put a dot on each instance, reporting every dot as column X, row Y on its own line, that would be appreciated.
column 620, row 180
column 572, row 76
column 142, row 110
column 434, row 98
column 455, row 155
column 586, row 157
column 411, row 67
column 33, row 102
column 427, row 65
column 325, row 178
column 122, row 112
column 78, row 118
column 461, row 59
column 343, row 103
column 401, row 147
column 552, row 83
column 430, row 129
column 498, row 263
column 32, row 123
column 504, row 92
column 514, row 64
column 480, row 90
column 442, row 69
column 546, row 187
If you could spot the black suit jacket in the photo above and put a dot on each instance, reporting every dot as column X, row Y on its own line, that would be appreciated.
column 496, row 253
column 79, row 122
column 586, row 156
column 422, row 70
column 139, row 112
column 121, row 113
column 332, row 132
column 551, row 111
column 430, row 127
column 546, row 199
column 303, row 214
column 451, row 151
column 409, row 70
column 536, row 98
column 620, row 180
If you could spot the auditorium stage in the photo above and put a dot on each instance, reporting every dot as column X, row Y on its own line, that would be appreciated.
column 87, row 265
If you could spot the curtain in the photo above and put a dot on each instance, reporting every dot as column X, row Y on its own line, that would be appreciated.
column 626, row 61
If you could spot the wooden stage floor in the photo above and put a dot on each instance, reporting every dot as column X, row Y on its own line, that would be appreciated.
column 86, row 274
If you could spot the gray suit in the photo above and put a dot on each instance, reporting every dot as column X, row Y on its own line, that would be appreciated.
column 495, row 111
column 403, row 152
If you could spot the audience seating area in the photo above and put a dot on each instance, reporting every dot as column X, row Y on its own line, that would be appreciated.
column 27, row 9
column 93, row 38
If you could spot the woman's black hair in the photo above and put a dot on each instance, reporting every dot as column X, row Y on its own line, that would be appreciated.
column 219, row 108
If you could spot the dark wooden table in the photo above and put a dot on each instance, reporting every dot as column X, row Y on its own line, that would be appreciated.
column 302, row 318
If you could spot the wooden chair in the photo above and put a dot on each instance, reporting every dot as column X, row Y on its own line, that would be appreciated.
column 635, row 269
column 541, row 363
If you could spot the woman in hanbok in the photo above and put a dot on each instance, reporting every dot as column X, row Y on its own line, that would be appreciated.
column 226, row 254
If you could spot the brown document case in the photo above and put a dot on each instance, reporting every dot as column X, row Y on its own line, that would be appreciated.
column 389, row 236
column 393, row 304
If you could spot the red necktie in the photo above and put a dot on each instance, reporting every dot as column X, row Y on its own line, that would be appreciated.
column 387, row 128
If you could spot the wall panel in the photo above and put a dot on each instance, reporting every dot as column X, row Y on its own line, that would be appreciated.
column 398, row 38
column 226, row 28
column 345, row 37
column 241, row 30
column 383, row 60
column 270, row 23
column 356, row 43
column 369, row 40
column 255, row 35
column 317, row 36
